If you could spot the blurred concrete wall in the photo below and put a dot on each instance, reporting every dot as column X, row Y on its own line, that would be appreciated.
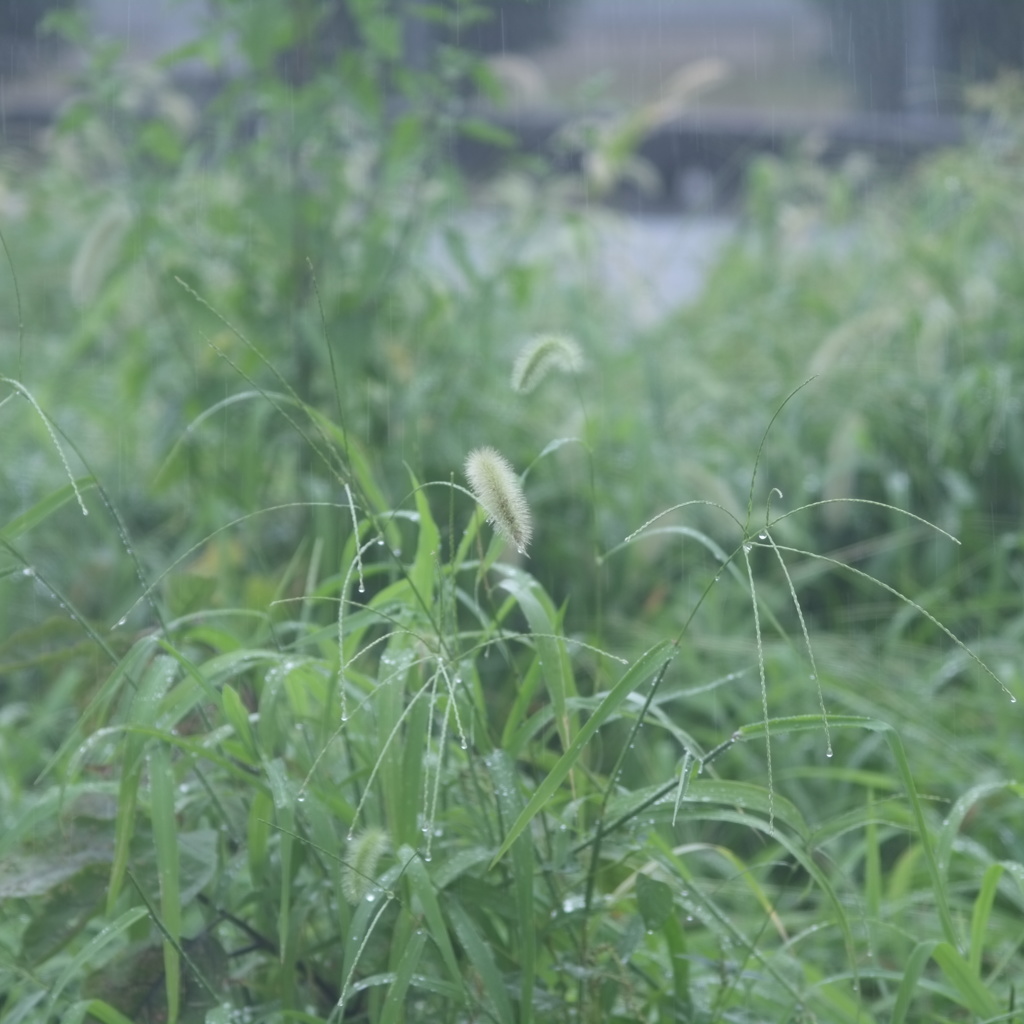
column 148, row 27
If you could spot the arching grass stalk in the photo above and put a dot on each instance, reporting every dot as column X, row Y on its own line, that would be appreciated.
column 338, row 471
column 356, row 563
column 766, row 535
column 764, row 687
column 30, row 398
column 920, row 609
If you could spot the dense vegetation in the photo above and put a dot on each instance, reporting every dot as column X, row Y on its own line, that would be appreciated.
column 289, row 732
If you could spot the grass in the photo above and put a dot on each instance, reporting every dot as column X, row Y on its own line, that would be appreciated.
column 290, row 733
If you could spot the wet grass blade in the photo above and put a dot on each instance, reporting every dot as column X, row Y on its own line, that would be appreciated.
column 641, row 670
column 165, row 837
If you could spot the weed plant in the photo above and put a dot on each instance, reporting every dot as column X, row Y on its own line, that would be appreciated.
column 376, row 765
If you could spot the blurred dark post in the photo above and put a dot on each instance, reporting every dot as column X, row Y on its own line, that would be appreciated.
column 924, row 57
column 915, row 56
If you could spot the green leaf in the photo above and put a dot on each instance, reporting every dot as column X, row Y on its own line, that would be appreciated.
column 144, row 709
column 237, row 715
column 43, row 509
column 654, row 901
column 484, row 131
column 67, row 908
column 974, row 995
column 480, row 956
column 394, row 1007
column 647, row 665
column 165, row 838
column 554, row 658
column 510, row 804
column 96, row 945
column 422, row 888
column 981, row 914
column 98, row 1009
column 919, row 956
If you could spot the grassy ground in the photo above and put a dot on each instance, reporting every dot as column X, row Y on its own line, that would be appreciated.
column 291, row 733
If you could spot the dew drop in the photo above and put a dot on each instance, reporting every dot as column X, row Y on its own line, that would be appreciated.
column 1013, row 700
column 828, row 751
column 812, row 677
column 370, row 897
column 362, row 587
column 301, row 798
column 762, row 535
column 28, row 571
column 380, row 543
column 122, row 620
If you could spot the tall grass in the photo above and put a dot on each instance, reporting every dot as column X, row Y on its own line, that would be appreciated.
column 400, row 789
column 320, row 744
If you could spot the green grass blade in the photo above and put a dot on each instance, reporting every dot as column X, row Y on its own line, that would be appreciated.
column 872, row 862
column 422, row 889
column 920, row 955
column 939, row 884
column 646, row 665
column 143, row 712
column 98, row 1009
column 43, row 509
column 95, row 945
column 480, row 956
column 510, row 804
column 284, row 811
column 551, row 649
column 165, row 837
column 974, row 995
column 982, row 912
column 238, row 716
column 392, row 1011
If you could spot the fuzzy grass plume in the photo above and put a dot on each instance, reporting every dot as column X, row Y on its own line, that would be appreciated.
column 360, row 870
column 540, row 356
column 495, row 485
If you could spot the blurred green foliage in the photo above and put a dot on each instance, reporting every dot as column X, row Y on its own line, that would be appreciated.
column 341, row 760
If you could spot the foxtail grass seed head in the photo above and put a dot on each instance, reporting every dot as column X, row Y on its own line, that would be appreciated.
column 497, row 488
column 360, row 870
column 540, row 356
